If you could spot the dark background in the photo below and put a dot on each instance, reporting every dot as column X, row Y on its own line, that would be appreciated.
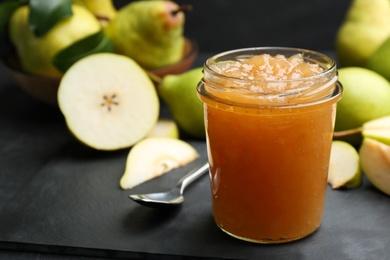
column 219, row 25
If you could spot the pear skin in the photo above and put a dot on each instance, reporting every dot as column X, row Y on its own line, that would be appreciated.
column 102, row 9
column 379, row 60
column 365, row 28
column 36, row 53
column 366, row 97
column 179, row 93
column 150, row 32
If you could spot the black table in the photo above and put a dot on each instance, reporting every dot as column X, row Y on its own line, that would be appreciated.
column 61, row 200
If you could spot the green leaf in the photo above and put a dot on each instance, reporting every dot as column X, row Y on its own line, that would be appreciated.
column 6, row 10
column 92, row 44
column 44, row 14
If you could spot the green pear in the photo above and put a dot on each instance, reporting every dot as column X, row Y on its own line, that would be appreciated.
column 365, row 28
column 179, row 93
column 36, row 53
column 150, row 32
column 366, row 97
column 380, row 60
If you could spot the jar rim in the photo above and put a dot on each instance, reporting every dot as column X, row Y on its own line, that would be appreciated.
column 252, row 51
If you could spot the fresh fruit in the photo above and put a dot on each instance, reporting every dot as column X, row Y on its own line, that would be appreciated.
column 375, row 163
column 365, row 28
column 108, row 101
column 366, row 97
column 150, row 32
column 153, row 157
column 165, row 128
column 378, row 129
column 179, row 93
column 36, row 53
column 344, row 166
column 104, row 10
column 379, row 60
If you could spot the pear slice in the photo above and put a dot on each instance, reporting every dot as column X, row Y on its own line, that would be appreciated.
column 375, row 163
column 378, row 129
column 344, row 166
column 165, row 128
column 153, row 157
column 108, row 101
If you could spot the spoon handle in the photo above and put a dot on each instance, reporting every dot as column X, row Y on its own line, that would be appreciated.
column 192, row 176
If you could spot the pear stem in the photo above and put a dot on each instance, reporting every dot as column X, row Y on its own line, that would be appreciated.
column 182, row 8
column 340, row 134
column 156, row 79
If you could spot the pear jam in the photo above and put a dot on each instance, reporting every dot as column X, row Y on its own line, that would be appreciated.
column 269, row 117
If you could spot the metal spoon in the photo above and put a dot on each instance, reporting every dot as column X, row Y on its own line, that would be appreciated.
column 174, row 196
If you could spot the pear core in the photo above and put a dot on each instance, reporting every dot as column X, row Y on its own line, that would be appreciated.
column 108, row 101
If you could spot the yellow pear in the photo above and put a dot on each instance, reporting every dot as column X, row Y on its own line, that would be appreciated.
column 36, row 53
column 150, row 32
column 104, row 10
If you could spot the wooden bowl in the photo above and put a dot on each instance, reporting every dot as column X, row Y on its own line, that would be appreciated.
column 45, row 88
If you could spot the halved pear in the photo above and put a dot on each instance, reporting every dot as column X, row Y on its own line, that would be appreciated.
column 375, row 163
column 153, row 157
column 344, row 166
column 378, row 129
column 108, row 101
column 165, row 128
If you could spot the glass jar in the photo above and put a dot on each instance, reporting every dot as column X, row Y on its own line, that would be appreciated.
column 269, row 145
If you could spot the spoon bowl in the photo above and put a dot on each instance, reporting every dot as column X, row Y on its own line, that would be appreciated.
column 173, row 197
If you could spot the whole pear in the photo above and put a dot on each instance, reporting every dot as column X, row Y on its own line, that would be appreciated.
column 104, row 10
column 179, row 93
column 380, row 60
column 36, row 53
column 150, row 32
column 365, row 28
column 366, row 97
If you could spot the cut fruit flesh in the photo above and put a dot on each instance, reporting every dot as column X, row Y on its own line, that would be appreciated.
column 378, row 129
column 108, row 101
column 165, row 128
column 375, row 163
column 344, row 166
column 153, row 157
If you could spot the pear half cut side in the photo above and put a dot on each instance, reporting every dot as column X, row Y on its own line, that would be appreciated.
column 378, row 129
column 108, row 101
column 344, row 166
column 154, row 156
column 375, row 163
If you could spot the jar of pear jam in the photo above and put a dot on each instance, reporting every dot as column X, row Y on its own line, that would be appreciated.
column 269, row 118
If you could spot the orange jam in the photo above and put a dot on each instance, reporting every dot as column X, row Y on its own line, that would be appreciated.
column 269, row 123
